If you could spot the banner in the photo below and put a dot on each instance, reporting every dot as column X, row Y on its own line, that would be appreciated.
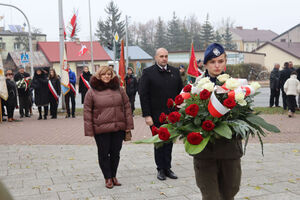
column 65, row 75
column 122, row 65
column 3, row 87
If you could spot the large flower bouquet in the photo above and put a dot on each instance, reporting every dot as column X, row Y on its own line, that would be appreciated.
column 24, row 83
column 205, row 112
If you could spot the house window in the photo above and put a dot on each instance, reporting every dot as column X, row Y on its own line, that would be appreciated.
column 17, row 46
column 2, row 46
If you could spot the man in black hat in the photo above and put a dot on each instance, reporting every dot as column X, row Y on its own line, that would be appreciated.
column 157, row 84
column 218, row 166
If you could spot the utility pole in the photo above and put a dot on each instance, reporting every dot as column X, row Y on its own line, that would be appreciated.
column 126, row 33
column 29, row 34
column 91, row 40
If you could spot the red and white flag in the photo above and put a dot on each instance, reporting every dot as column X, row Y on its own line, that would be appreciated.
column 83, row 50
column 73, row 23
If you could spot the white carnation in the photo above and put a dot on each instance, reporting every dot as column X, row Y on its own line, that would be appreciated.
column 255, row 85
column 242, row 103
column 222, row 78
column 203, row 81
column 209, row 86
column 232, row 83
column 239, row 97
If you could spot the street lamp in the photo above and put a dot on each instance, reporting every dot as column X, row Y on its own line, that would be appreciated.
column 29, row 34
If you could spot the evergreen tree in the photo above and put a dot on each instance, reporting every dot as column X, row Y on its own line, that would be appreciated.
column 173, row 34
column 218, row 38
column 160, row 38
column 185, row 42
column 228, row 44
column 207, row 33
column 194, row 28
column 107, row 29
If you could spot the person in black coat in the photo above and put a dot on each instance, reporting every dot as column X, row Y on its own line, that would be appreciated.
column 41, row 91
column 283, row 76
column 275, row 86
column 157, row 84
column 131, row 87
column 23, row 91
column 84, row 87
column 54, row 92
column 11, row 101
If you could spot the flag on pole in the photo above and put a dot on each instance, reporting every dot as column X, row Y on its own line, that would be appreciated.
column 73, row 23
column 65, row 87
column 122, row 65
column 83, row 50
column 193, row 68
column 3, row 87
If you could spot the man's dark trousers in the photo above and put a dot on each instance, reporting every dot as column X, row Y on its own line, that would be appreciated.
column 69, row 95
column 274, row 96
column 24, row 105
column 284, row 101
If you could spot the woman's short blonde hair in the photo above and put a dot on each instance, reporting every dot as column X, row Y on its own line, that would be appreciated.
column 104, row 70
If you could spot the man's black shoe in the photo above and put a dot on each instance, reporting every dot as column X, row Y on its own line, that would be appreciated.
column 161, row 175
column 170, row 174
column 27, row 115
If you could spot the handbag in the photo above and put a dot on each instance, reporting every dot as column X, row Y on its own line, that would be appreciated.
column 128, row 136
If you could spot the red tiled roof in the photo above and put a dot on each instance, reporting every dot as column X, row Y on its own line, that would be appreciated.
column 51, row 51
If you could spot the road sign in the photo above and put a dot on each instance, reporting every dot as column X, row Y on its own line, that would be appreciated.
column 138, row 67
column 24, row 58
column 116, row 37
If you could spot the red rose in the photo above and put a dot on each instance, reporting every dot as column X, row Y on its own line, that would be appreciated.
column 192, row 110
column 208, row 125
column 170, row 103
column 229, row 103
column 187, row 88
column 179, row 99
column 204, row 94
column 154, row 130
column 194, row 138
column 162, row 118
column 174, row 117
column 163, row 134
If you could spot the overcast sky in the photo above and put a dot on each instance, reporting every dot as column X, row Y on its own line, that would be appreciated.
column 275, row 15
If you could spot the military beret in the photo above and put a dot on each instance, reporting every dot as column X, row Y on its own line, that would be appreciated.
column 212, row 51
column 199, row 61
column 181, row 66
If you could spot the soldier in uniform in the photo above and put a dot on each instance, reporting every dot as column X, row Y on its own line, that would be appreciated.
column 218, row 166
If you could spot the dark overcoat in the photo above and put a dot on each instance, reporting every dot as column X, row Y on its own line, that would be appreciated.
column 156, row 86
column 41, row 91
column 131, row 85
column 12, row 93
column 82, row 88
column 274, row 79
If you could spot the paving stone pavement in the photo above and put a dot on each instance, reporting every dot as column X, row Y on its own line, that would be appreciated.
column 69, row 172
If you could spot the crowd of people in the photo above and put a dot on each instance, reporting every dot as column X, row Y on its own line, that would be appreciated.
column 286, row 81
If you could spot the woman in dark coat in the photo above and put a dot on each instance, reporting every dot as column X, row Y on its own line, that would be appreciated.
column 84, row 84
column 54, row 93
column 41, row 92
column 11, row 101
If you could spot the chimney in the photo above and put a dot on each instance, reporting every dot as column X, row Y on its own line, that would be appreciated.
column 239, row 27
column 255, row 28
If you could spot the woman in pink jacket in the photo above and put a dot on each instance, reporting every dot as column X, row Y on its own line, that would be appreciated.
column 107, row 115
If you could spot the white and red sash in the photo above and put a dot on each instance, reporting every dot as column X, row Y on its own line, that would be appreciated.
column 215, row 107
column 72, row 88
column 86, row 83
column 52, row 90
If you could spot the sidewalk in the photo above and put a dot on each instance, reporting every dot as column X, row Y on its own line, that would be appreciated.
column 51, row 159
column 65, row 172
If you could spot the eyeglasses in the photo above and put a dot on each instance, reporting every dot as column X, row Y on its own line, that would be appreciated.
column 9, row 74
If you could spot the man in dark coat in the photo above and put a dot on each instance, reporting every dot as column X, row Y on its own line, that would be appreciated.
column 283, row 76
column 23, row 91
column 131, row 87
column 275, row 86
column 84, row 84
column 11, row 101
column 157, row 84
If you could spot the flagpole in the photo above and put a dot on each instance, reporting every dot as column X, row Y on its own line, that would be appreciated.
column 61, row 43
column 91, row 39
column 126, row 32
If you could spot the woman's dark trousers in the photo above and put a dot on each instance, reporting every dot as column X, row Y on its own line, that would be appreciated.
column 109, row 147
